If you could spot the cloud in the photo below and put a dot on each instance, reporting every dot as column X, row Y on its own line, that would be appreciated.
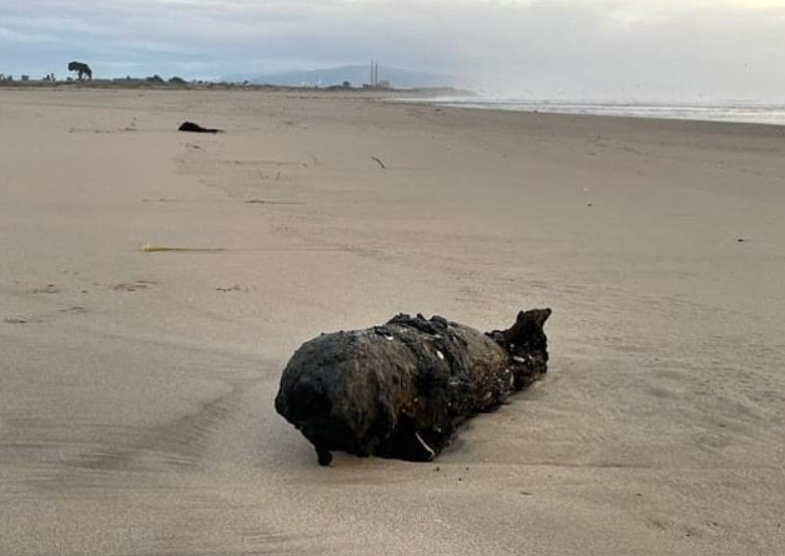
column 544, row 48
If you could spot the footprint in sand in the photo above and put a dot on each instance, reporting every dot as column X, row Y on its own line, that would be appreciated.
column 50, row 288
column 235, row 288
column 75, row 310
column 135, row 286
column 19, row 320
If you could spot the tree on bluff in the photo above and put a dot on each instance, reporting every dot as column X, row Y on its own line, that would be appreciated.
column 81, row 70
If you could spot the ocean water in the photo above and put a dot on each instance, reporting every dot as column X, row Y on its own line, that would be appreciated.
column 772, row 114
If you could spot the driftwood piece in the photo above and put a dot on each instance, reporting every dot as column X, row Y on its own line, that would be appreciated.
column 196, row 128
column 400, row 390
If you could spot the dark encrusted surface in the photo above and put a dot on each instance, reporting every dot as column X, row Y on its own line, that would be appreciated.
column 401, row 389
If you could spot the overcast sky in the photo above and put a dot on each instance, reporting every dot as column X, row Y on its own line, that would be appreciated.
column 624, row 49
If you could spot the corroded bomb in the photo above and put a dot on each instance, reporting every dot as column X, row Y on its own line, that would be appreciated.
column 400, row 390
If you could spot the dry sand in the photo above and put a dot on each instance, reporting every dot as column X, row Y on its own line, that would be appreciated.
column 136, row 389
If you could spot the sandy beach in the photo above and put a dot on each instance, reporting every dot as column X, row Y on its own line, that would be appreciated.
column 136, row 388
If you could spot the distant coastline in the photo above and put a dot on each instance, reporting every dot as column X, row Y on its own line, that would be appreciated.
column 372, row 78
column 180, row 85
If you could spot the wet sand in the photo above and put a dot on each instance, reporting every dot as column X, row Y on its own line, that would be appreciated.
column 136, row 388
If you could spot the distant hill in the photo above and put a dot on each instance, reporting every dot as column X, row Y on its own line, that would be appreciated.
column 356, row 75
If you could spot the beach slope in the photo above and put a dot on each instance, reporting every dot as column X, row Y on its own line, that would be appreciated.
column 137, row 384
